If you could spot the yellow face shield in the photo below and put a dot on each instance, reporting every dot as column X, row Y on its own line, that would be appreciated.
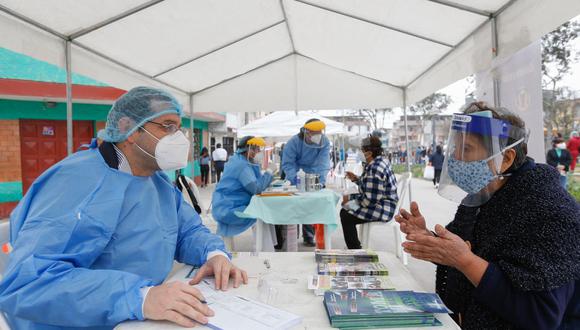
column 314, row 133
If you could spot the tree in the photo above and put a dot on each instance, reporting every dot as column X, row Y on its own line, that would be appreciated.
column 428, row 108
column 431, row 105
column 558, row 55
column 371, row 116
column 375, row 118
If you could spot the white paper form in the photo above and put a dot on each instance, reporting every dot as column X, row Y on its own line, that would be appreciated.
column 235, row 312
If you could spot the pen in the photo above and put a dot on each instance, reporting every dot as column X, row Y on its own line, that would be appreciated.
column 191, row 271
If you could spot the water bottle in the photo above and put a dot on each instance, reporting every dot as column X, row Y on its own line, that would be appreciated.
column 301, row 180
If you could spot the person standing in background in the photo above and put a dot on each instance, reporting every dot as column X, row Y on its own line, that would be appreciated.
column 308, row 150
column 574, row 148
column 560, row 158
column 436, row 160
column 219, row 157
column 204, row 166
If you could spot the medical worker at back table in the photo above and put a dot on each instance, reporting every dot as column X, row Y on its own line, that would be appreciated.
column 242, row 179
column 308, row 150
column 96, row 235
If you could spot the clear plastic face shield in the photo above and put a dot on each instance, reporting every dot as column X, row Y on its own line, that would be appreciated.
column 314, row 134
column 253, row 149
column 474, row 156
column 255, row 154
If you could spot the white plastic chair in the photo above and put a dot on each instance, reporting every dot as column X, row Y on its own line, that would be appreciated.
column 365, row 230
column 229, row 242
column 4, row 238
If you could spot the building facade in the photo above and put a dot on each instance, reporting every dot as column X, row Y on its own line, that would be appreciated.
column 33, row 131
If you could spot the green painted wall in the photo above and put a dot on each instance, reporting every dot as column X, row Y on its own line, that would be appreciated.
column 22, row 67
column 196, row 124
column 13, row 109
column 10, row 191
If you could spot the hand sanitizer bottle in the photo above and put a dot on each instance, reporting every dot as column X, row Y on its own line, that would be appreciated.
column 301, row 180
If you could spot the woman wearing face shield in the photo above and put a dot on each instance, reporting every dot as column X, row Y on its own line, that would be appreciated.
column 307, row 150
column 510, row 258
column 241, row 180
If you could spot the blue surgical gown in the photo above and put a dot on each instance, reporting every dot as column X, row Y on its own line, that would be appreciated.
column 240, row 181
column 87, row 237
column 311, row 159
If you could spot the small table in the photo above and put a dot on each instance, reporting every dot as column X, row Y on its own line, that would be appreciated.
column 317, row 207
column 297, row 298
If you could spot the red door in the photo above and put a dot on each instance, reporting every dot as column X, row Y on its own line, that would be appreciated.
column 43, row 143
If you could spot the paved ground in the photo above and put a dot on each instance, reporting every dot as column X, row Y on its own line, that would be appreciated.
column 435, row 209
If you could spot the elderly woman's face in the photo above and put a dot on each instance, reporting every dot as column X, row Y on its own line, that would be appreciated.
column 469, row 147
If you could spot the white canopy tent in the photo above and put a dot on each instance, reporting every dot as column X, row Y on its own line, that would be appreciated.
column 284, row 124
column 269, row 55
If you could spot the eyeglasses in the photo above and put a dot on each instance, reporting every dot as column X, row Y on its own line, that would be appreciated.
column 169, row 128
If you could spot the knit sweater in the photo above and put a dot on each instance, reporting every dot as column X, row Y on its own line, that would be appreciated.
column 529, row 230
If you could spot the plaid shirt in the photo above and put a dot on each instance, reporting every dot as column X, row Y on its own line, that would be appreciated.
column 378, row 192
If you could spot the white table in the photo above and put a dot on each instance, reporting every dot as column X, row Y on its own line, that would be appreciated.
column 296, row 297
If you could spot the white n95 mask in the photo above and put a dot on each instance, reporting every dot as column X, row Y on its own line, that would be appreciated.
column 171, row 152
column 316, row 138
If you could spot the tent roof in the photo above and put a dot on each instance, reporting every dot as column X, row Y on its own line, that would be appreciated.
column 287, row 123
column 267, row 55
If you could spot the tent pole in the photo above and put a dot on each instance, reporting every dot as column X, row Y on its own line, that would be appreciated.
column 408, row 158
column 69, row 119
column 495, row 44
column 344, row 128
column 209, row 136
column 191, row 132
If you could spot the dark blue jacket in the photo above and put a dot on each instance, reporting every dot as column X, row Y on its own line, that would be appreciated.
column 436, row 160
column 529, row 232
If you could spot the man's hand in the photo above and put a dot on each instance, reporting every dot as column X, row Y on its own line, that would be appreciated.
column 176, row 302
column 222, row 269
column 412, row 223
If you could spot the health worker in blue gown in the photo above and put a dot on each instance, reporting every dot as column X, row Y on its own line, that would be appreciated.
column 308, row 150
column 96, row 234
column 241, row 180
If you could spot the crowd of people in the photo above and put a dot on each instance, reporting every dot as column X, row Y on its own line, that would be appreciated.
column 102, row 247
